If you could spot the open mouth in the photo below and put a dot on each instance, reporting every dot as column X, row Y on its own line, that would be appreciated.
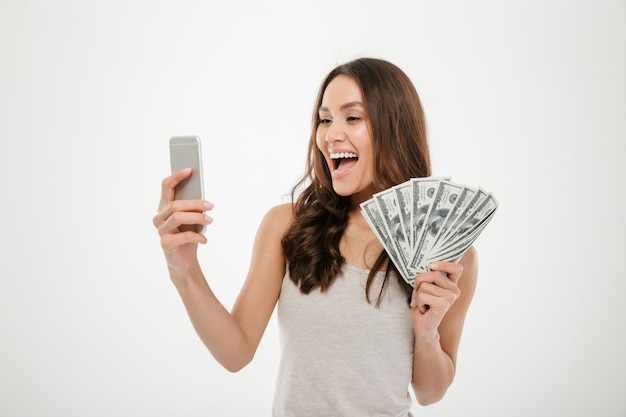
column 343, row 161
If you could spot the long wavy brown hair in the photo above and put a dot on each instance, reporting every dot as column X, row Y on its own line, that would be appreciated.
column 311, row 244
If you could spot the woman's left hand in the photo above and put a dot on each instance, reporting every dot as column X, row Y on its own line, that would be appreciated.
column 433, row 295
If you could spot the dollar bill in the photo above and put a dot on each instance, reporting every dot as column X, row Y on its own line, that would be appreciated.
column 428, row 219
column 440, row 199
column 455, row 251
column 464, row 213
column 443, row 202
column 423, row 194
column 374, row 218
column 463, row 199
column 472, row 217
column 390, row 212
column 404, row 196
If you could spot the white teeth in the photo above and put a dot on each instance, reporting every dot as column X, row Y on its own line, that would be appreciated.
column 343, row 155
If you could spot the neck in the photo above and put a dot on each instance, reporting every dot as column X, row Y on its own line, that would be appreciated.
column 358, row 198
column 359, row 244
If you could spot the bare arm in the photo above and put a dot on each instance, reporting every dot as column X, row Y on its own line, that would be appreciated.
column 231, row 338
column 439, row 326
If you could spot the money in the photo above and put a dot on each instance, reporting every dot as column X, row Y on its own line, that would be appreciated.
column 372, row 215
column 428, row 219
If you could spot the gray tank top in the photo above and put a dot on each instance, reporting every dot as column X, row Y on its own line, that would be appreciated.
column 340, row 355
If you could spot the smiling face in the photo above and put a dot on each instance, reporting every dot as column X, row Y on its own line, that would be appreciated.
column 344, row 136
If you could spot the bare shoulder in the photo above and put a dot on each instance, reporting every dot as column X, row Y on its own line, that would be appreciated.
column 267, row 266
column 280, row 216
column 271, row 231
column 276, row 221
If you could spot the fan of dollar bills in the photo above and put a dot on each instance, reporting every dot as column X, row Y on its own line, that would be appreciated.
column 428, row 219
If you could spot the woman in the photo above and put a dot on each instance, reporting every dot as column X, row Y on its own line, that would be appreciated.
column 350, row 342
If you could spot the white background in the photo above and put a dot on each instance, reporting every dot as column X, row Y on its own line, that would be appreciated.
column 526, row 99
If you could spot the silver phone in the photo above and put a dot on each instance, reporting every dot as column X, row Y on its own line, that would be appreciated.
column 186, row 152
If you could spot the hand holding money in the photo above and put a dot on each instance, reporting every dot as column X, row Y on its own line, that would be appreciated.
column 433, row 295
column 428, row 219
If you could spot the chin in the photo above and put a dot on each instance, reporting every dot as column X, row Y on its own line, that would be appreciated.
column 342, row 192
column 358, row 194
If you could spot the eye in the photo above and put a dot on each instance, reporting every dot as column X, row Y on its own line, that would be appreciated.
column 352, row 119
column 325, row 121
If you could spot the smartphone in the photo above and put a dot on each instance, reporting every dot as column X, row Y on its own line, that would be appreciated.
column 186, row 152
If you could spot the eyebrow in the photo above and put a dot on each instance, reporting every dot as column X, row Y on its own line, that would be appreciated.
column 344, row 106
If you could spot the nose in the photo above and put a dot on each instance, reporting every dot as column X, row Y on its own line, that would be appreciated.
column 335, row 133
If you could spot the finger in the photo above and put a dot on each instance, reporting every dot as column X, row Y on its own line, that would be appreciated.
column 196, row 206
column 417, row 301
column 424, row 300
column 179, row 218
column 435, row 290
column 168, row 185
column 435, row 284
column 437, row 278
column 453, row 270
column 171, row 242
column 433, row 296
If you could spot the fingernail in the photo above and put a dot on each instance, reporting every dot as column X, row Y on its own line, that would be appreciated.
column 433, row 266
column 208, row 205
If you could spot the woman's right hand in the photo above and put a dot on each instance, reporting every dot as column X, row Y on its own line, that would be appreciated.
column 179, row 243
